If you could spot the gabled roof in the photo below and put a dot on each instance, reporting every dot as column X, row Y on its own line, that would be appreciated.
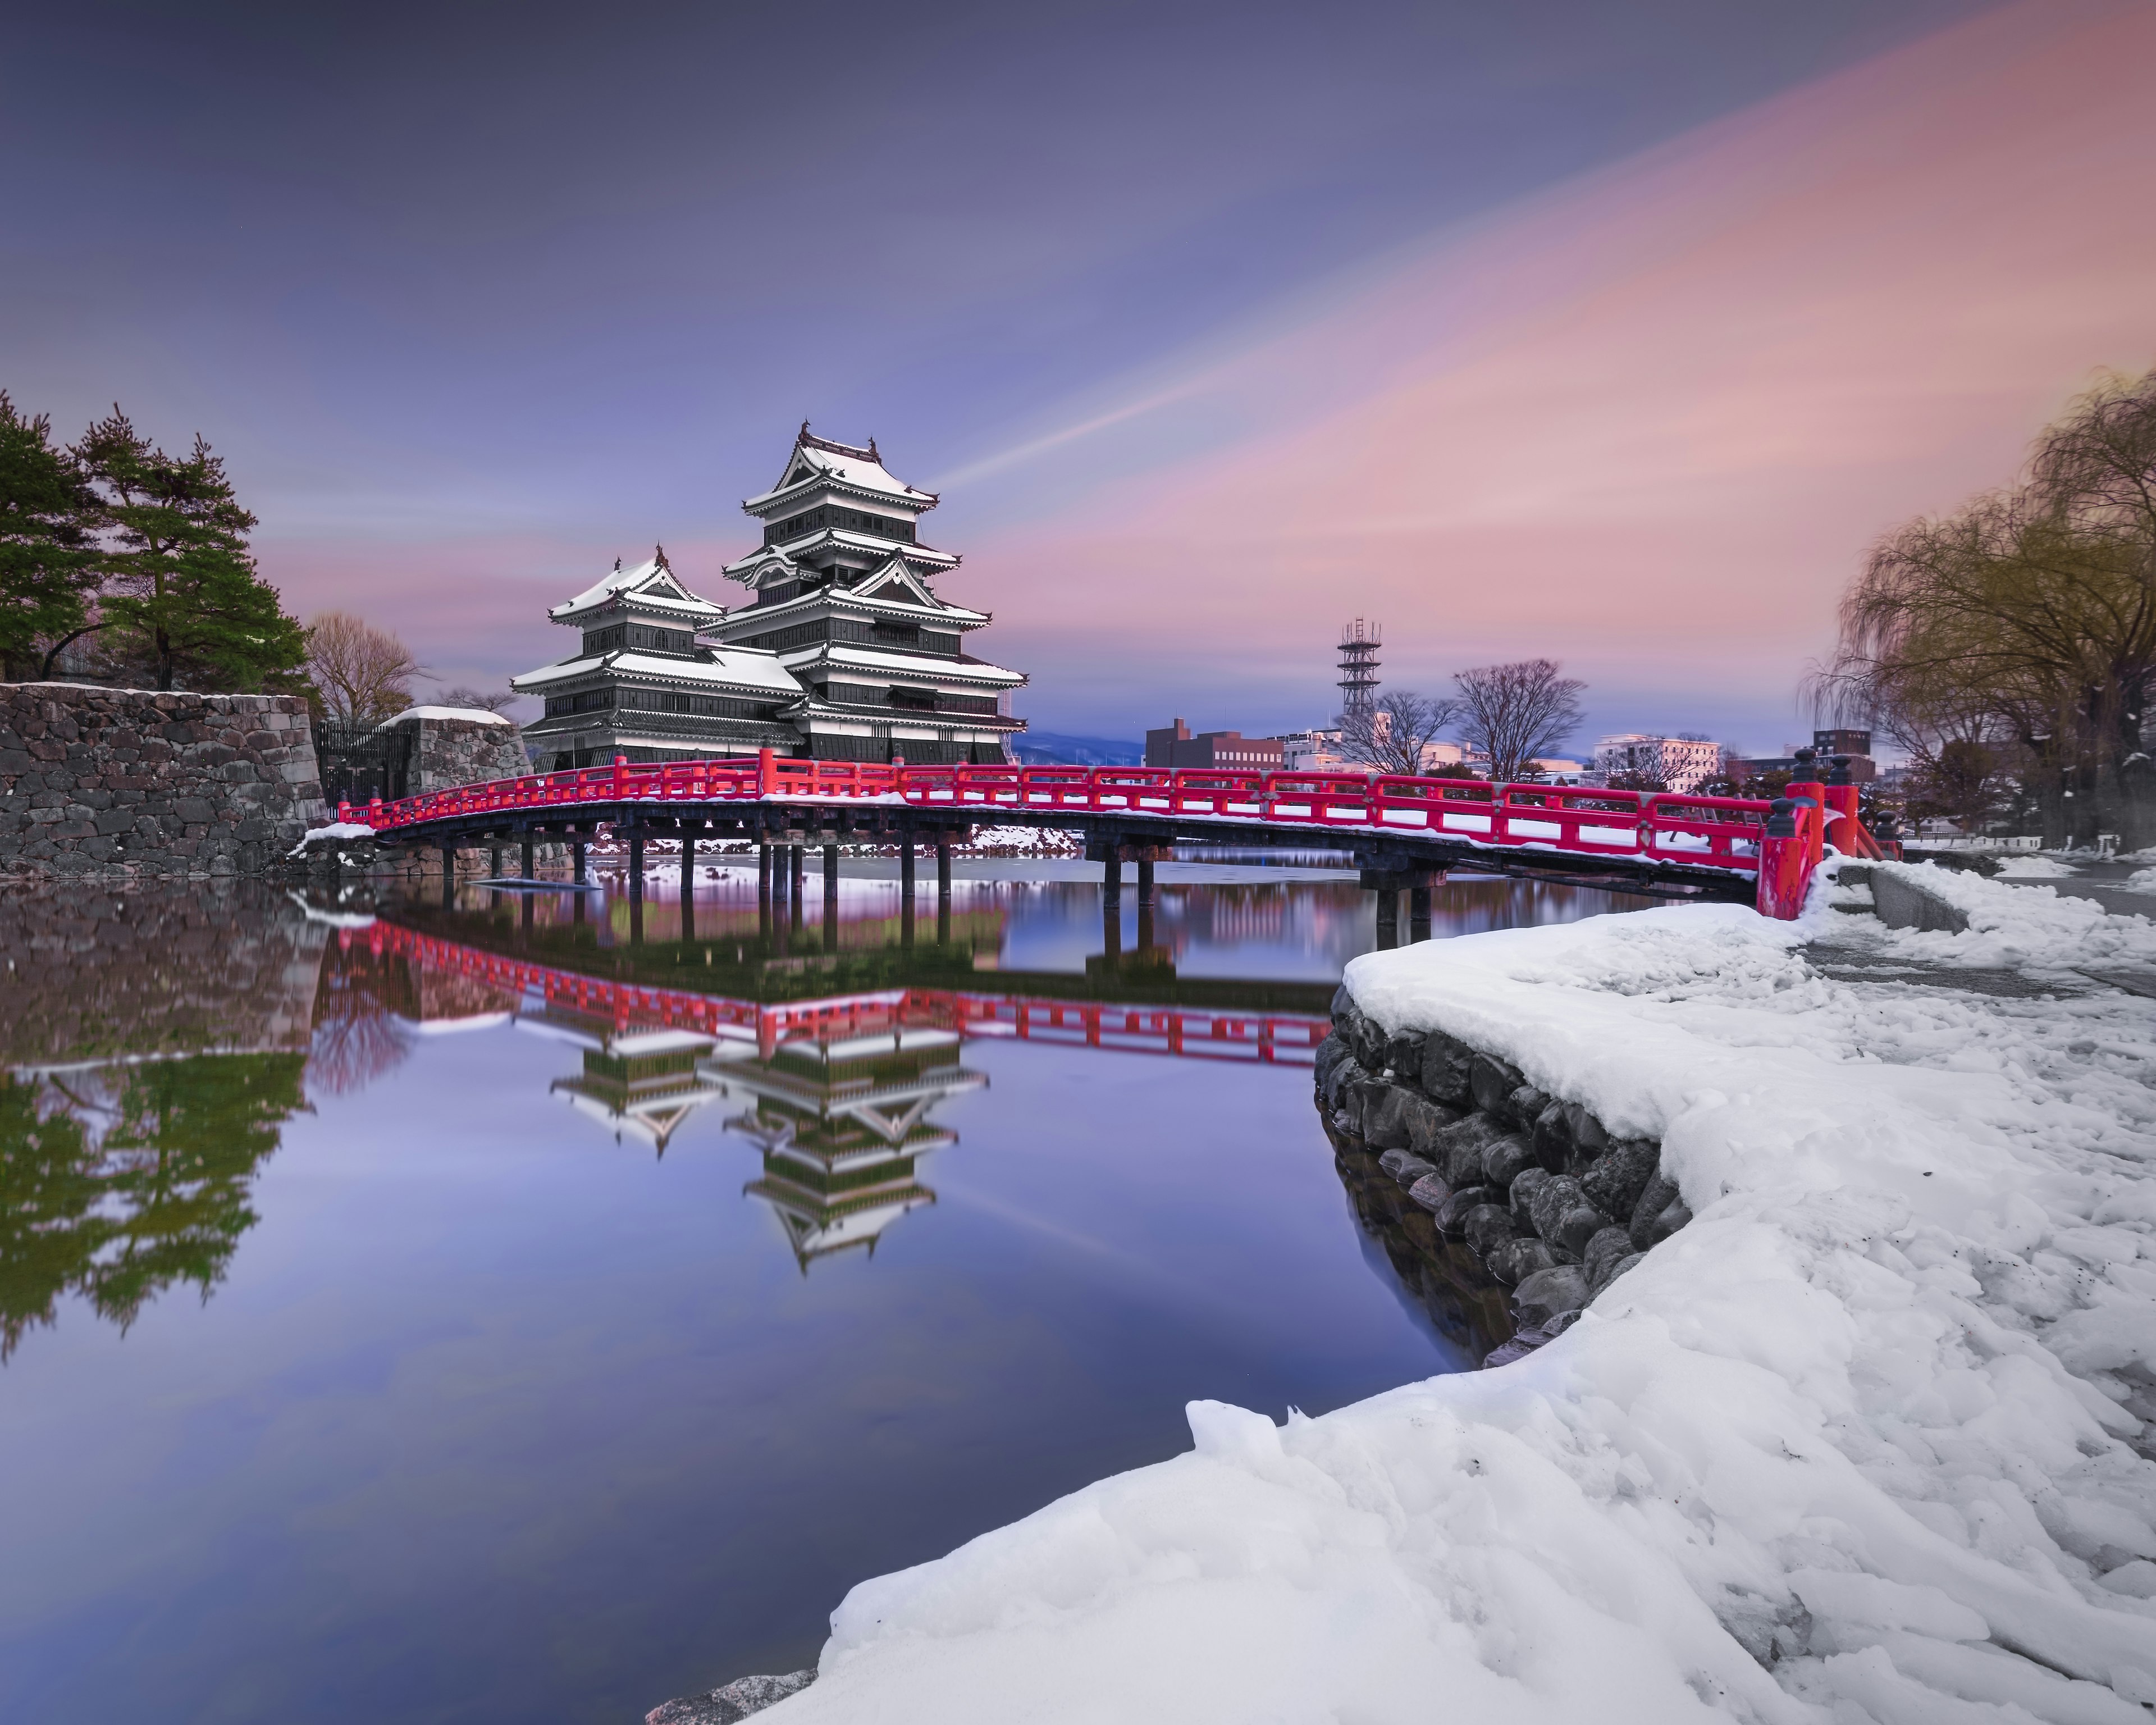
column 896, row 583
column 654, row 584
column 814, row 458
column 758, row 562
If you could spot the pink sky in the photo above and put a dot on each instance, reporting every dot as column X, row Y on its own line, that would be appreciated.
column 1647, row 425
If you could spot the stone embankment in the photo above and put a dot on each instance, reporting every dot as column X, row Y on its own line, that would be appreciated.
column 137, row 782
column 1550, row 1204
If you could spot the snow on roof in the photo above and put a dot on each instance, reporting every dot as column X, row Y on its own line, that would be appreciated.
column 739, row 667
column 744, row 667
column 974, row 670
column 470, row 715
column 648, row 583
column 862, row 468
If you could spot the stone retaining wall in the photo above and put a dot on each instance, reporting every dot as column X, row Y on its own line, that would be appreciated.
column 1551, row 1205
column 96, row 781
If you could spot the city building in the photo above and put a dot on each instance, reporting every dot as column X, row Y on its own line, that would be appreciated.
column 845, row 652
column 1315, row 751
column 1174, row 746
column 1683, row 763
column 845, row 596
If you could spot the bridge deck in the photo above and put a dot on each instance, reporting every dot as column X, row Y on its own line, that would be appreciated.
column 1661, row 842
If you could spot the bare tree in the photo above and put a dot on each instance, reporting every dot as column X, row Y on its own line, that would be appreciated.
column 2026, row 618
column 499, row 701
column 1394, row 734
column 1513, row 713
column 364, row 673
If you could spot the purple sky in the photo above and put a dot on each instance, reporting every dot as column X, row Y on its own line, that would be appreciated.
column 475, row 299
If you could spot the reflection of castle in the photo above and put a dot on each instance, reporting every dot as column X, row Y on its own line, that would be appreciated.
column 843, row 1123
column 640, row 1083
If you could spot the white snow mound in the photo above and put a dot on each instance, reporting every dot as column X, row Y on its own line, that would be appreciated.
column 1864, row 1442
column 336, row 830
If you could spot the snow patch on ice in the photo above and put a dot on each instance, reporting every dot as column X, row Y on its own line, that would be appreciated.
column 1867, row 1440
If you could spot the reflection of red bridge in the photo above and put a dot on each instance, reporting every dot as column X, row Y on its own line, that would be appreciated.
column 1402, row 829
column 1199, row 1033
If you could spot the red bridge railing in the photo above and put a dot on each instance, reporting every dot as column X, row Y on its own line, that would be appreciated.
column 1720, row 833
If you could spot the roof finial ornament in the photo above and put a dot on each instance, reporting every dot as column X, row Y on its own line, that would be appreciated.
column 658, row 557
column 873, row 456
column 617, row 566
column 804, row 433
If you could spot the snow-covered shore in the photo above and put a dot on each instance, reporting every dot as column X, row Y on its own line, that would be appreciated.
column 1868, row 1440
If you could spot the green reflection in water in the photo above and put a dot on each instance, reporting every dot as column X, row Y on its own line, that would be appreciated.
column 118, row 1182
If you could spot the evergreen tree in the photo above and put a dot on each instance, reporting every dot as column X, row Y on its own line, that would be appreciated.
column 48, row 514
column 182, row 592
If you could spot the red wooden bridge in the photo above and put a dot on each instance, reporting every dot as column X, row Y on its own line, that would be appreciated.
column 1403, row 831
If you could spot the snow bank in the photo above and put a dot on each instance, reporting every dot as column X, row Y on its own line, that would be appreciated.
column 336, row 829
column 2020, row 867
column 1860, row 1443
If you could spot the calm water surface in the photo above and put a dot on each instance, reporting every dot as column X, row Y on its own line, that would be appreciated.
column 485, row 1313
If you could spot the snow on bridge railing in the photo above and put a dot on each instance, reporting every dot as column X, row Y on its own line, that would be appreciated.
column 1672, row 827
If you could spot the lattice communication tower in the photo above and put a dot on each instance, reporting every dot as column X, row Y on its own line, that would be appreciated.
column 1359, row 642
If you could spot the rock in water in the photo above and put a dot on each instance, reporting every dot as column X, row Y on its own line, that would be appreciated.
column 1445, row 1066
column 1404, row 1166
column 1452, row 1214
column 1504, row 1160
column 1619, row 1175
column 1517, row 1260
column 1493, row 1081
column 1547, row 1293
column 1430, row 1192
column 734, row 1701
column 1660, row 1193
column 1487, row 1227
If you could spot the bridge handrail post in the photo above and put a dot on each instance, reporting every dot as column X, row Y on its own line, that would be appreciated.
column 1785, row 863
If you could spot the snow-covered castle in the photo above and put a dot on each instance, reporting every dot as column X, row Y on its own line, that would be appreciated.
column 843, row 652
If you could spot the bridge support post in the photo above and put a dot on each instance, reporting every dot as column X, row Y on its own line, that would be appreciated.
column 494, row 862
column 830, row 898
column 529, row 872
column 763, row 878
column 796, row 858
column 1419, row 909
column 1388, row 917
column 577, row 863
column 1145, row 885
column 1111, row 935
column 688, row 885
column 635, row 884
column 906, row 869
column 449, row 877
column 1111, row 878
column 943, row 870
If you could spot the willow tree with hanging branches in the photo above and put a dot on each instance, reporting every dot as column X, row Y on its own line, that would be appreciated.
column 2025, row 624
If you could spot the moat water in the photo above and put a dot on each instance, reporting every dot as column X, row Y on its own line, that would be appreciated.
column 524, row 1309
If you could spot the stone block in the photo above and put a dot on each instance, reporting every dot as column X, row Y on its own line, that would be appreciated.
column 1904, row 902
